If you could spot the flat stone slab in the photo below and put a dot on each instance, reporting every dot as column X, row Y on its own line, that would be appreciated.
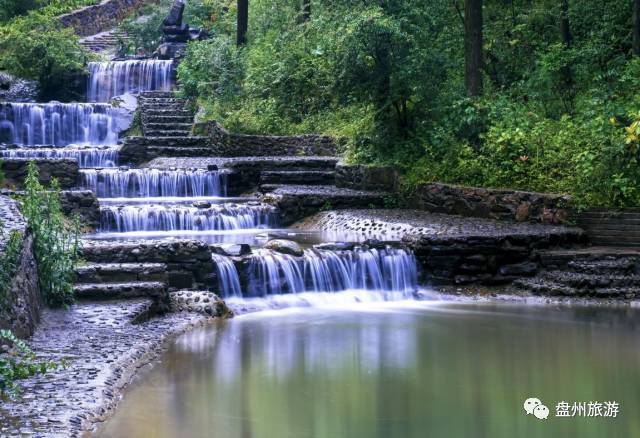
column 395, row 224
column 226, row 162
column 103, row 349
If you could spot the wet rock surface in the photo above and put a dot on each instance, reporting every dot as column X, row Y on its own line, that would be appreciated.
column 13, row 89
column 285, row 247
column 103, row 349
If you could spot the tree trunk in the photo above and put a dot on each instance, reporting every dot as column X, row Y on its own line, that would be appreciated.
column 636, row 27
column 473, row 46
column 565, row 30
column 306, row 10
column 565, row 37
column 243, row 21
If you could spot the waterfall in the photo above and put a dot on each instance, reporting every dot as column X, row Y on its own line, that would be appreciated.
column 57, row 124
column 145, row 183
column 110, row 79
column 388, row 269
column 179, row 217
column 87, row 156
column 228, row 279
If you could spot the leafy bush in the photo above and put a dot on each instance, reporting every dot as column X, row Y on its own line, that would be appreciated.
column 18, row 362
column 55, row 241
column 8, row 263
column 389, row 77
column 37, row 47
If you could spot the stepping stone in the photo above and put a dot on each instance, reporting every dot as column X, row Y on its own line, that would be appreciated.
column 108, row 291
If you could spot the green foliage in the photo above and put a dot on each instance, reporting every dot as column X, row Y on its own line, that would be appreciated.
column 36, row 47
column 8, row 263
column 13, row 8
column 389, row 77
column 55, row 241
column 18, row 362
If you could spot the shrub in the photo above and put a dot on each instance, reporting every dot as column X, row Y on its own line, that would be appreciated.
column 55, row 241
column 18, row 362
column 37, row 47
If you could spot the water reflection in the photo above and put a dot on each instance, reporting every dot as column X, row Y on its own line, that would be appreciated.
column 391, row 370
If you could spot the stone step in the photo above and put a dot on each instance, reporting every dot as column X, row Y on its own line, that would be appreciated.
column 145, row 107
column 545, row 287
column 162, row 112
column 157, row 94
column 180, row 141
column 591, row 281
column 160, row 151
column 150, row 120
column 298, row 177
column 167, row 133
column 560, row 259
column 108, row 291
column 121, row 272
column 607, row 266
column 173, row 126
column 144, row 100
column 284, row 163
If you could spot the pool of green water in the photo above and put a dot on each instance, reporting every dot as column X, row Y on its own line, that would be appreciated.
column 392, row 370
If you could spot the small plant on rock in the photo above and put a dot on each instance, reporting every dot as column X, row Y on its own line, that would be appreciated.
column 55, row 239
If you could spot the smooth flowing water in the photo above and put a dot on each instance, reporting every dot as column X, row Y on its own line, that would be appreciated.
column 87, row 157
column 58, row 124
column 403, row 370
column 110, row 79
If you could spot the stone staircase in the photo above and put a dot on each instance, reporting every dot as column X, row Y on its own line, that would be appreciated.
column 105, row 41
column 104, row 281
column 164, row 115
column 591, row 272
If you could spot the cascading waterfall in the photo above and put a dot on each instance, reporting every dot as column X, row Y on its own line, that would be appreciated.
column 110, row 79
column 106, row 156
column 387, row 269
column 145, row 183
column 228, row 279
column 58, row 124
column 229, row 216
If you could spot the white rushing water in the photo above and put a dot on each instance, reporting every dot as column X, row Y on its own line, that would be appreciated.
column 143, row 183
column 58, row 124
column 392, row 270
column 87, row 157
column 153, row 217
column 110, row 79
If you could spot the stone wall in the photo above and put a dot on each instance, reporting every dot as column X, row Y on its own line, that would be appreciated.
column 65, row 170
column 20, row 309
column 490, row 259
column 497, row 204
column 101, row 17
column 226, row 144
column 85, row 204
column 360, row 177
column 189, row 264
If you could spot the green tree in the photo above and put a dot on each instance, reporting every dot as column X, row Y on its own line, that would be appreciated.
column 37, row 47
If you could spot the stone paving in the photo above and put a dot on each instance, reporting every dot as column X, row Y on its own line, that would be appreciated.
column 103, row 349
